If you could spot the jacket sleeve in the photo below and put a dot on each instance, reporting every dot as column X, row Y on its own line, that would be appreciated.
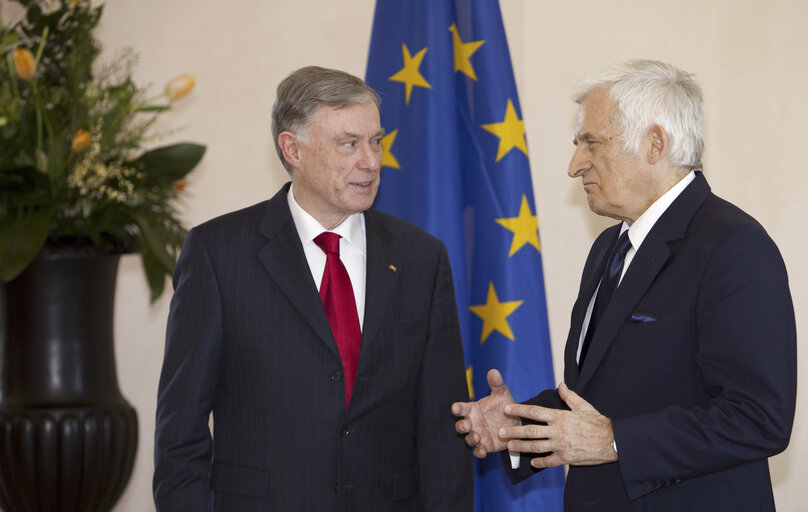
column 445, row 463
column 183, row 443
column 746, row 356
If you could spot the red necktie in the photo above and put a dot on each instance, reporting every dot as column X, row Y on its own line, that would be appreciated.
column 338, row 299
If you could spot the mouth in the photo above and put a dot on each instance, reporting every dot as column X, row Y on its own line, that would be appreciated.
column 363, row 185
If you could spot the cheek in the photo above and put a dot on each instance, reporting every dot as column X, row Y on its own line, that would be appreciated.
column 610, row 185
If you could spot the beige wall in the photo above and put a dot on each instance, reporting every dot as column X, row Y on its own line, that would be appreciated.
column 748, row 55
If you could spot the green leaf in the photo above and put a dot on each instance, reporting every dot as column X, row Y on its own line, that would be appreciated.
column 167, row 164
column 21, row 238
column 155, row 274
column 153, row 239
column 123, row 90
column 157, row 262
column 9, row 38
column 56, row 157
column 153, row 108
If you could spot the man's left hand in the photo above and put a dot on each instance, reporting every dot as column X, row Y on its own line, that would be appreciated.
column 581, row 436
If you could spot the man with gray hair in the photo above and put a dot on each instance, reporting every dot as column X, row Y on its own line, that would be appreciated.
column 680, row 364
column 321, row 334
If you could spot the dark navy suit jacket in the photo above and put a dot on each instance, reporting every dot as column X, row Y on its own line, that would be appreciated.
column 694, row 362
column 248, row 340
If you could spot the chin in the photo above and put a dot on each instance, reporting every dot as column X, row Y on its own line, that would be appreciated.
column 362, row 204
column 367, row 205
column 593, row 205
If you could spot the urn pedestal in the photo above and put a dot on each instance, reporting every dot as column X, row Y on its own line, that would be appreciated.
column 67, row 435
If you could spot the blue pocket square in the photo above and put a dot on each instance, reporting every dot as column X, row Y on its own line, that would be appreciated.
column 643, row 317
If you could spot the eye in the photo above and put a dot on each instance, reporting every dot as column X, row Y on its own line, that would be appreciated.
column 591, row 143
column 351, row 144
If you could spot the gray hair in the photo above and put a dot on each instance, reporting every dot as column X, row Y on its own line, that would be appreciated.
column 648, row 93
column 304, row 91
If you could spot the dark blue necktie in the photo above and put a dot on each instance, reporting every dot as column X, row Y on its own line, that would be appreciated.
column 611, row 276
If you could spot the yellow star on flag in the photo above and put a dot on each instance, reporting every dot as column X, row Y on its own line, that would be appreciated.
column 388, row 159
column 409, row 74
column 463, row 52
column 511, row 132
column 468, row 381
column 495, row 314
column 525, row 228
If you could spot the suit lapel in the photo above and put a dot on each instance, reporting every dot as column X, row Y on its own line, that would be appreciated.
column 647, row 263
column 593, row 270
column 382, row 275
column 283, row 257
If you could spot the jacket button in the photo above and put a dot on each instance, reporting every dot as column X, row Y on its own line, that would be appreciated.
column 344, row 431
column 336, row 376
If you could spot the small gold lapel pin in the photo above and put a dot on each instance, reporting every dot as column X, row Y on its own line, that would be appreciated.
column 393, row 268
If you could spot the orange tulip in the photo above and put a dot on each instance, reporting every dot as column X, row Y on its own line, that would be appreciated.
column 24, row 63
column 80, row 141
column 180, row 86
column 179, row 185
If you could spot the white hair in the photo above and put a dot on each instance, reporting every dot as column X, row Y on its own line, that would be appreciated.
column 648, row 93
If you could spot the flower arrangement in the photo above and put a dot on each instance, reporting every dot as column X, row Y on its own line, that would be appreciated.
column 73, row 166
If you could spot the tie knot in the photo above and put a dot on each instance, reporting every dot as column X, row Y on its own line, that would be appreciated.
column 328, row 242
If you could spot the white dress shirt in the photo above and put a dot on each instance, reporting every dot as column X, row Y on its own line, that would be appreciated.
column 352, row 248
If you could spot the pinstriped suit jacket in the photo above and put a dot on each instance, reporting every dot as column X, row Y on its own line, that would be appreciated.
column 248, row 339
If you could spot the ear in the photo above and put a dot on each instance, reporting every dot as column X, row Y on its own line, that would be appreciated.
column 290, row 147
column 659, row 144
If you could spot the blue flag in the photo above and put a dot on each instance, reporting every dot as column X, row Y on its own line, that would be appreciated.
column 455, row 162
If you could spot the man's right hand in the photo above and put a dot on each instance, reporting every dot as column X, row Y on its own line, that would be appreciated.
column 481, row 420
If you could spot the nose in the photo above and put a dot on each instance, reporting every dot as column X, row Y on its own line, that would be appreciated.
column 371, row 157
column 579, row 164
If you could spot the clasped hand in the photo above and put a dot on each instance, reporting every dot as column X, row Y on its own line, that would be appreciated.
column 581, row 436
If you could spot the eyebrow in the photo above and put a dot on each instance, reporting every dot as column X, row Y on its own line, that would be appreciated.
column 349, row 135
column 583, row 137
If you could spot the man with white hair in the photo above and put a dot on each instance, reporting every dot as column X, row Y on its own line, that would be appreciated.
column 680, row 364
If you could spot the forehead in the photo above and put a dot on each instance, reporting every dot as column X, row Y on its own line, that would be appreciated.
column 596, row 112
column 356, row 118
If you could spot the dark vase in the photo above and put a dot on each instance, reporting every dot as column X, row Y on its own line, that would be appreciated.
column 67, row 435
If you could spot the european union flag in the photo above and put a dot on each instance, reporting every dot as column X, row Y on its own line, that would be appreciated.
column 455, row 162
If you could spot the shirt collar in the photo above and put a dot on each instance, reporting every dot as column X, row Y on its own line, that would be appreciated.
column 642, row 226
column 352, row 229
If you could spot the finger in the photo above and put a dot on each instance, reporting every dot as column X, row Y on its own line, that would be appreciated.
column 464, row 426
column 495, row 380
column 524, row 432
column 531, row 412
column 572, row 399
column 461, row 408
column 549, row 461
column 480, row 452
column 530, row 445
column 473, row 439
